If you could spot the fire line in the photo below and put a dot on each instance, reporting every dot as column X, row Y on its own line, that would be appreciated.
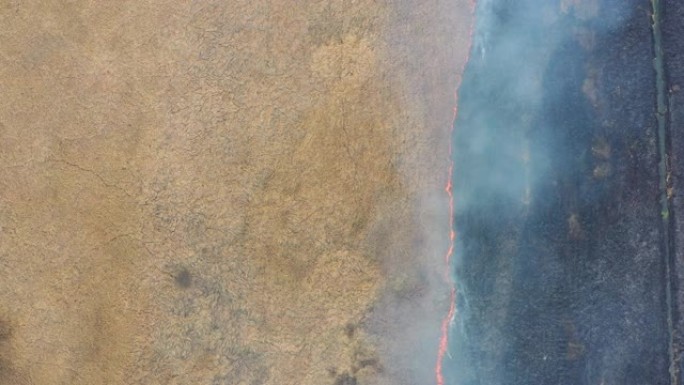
column 444, row 338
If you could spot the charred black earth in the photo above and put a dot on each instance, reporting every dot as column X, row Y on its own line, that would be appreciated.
column 569, row 155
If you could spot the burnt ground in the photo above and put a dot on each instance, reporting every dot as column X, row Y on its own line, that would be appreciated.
column 569, row 259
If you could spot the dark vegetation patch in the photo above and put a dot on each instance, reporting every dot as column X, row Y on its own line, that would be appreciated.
column 183, row 278
column 349, row 330
column 6, row 371
column 345, row 379
column 370, row 362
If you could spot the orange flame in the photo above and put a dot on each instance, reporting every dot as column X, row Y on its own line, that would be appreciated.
column 444, row 339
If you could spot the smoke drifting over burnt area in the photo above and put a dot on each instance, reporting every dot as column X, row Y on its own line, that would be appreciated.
column 563, row 258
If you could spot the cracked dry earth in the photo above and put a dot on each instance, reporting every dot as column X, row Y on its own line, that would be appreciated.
column 224, row 192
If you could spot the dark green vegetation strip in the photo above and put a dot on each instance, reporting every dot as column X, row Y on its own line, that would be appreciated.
column 663, row 171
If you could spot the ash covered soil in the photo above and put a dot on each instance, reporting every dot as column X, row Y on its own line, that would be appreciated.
column 224, row 192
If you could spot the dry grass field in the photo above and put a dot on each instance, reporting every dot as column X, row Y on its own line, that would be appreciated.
column 224, row 192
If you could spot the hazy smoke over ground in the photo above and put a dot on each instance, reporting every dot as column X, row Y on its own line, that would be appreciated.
column 559, row 262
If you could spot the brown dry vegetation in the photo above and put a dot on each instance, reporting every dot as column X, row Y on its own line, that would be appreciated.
column 224, row 192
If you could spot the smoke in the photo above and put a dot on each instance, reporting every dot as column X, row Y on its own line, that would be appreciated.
column 557, row 262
